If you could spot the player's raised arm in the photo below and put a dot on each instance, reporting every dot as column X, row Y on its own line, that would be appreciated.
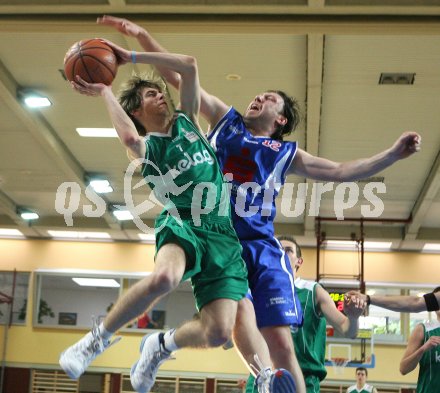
column 318, row 168
column 211, row 107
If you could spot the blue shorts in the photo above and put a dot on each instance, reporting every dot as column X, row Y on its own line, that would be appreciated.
column 271, row 283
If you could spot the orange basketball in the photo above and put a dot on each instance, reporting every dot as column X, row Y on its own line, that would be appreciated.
column 93, row 60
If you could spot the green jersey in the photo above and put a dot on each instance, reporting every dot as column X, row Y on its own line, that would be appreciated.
column 365, row 389
column 310, row 339
column 429, row 370
column 183, row 171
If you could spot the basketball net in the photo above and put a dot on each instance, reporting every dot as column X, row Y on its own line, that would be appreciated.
column 339, row 365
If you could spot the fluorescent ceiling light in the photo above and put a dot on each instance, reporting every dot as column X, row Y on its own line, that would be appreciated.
column 101, row 186
column 378, row 245
column 96, row 282
column 79, row 235
column 97, row 132
column 10, row 232
column 339, row 283
column 353, row 245
column 29, row 216
column 435, row 247
column 341, row 244
column 33, row 101
column 148, row 237
column 123, row 215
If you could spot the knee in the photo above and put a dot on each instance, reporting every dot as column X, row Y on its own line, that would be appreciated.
column 218, row 335
column 283, row 348
column 164, row 282
column 245, row 309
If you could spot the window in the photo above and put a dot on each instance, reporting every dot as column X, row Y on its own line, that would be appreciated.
column 64, row 302
column 171, row 310
column 386, row 324
column 73, row 299
column 16, row 285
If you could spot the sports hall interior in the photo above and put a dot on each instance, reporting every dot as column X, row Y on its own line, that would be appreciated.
column 362, row 73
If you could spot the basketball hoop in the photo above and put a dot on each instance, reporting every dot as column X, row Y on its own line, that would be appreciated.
column 339, row 365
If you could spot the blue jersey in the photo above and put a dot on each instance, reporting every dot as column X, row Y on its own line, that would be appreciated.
column 258, row 166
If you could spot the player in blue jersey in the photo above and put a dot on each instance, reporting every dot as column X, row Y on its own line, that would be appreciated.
column 251, row 149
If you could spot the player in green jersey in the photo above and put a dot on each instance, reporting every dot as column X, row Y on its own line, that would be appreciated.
column 194, row 234
column 361, row 383
column 424, row 349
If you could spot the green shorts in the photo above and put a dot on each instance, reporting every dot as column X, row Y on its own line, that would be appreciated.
column 213, row 256
column 312, row 383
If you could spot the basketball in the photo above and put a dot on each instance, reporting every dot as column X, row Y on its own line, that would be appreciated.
column 93, row 60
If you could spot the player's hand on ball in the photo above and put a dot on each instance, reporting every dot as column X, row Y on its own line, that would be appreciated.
column 88, row 89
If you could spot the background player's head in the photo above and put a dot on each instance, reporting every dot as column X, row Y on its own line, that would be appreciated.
column 274, row 109
column 139, row 94
column 361, row 376
column 293, row 251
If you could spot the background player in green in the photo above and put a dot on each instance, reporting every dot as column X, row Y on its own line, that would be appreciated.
column 178, row 159
column 318, row 309
column 424, row 349
column 361, row 383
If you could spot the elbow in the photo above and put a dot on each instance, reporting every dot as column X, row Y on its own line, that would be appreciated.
column 130, row 140
column 190, row 65
column 190, row 62
column 404, row 369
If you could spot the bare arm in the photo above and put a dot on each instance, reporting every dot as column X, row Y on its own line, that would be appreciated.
column 124, row 126
column 395, row 303
column 306, row 165
column 348, row 326
column 185, row 66
column 414, row 351
column 211, row 107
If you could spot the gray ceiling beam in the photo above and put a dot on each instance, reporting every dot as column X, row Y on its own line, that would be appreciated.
column 315, row 56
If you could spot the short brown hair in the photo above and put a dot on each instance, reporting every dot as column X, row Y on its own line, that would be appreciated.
column 130, row 98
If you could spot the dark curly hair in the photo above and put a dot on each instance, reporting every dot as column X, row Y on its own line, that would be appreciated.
column 291, row 112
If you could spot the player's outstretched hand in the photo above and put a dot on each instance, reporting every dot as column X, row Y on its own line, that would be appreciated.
column 354, row 304
column 408, row 143
column 122, row 25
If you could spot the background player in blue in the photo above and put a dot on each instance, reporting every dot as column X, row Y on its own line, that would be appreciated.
column 251, row 148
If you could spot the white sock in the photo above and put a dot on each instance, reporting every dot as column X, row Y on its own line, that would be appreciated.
column 169, row 342
column 105, row 334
